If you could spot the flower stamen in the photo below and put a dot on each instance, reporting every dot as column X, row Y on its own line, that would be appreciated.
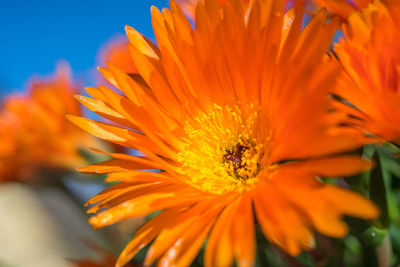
column 242, row 160
column 220, row 152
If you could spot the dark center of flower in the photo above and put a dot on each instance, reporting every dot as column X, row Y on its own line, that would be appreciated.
column 242, row 161
column 234, row 155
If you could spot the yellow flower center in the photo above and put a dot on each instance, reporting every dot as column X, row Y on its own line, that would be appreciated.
column 221, row 152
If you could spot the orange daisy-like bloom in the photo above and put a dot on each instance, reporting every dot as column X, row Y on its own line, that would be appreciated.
column 35, row 133
column 235, row 115
column 370, row 57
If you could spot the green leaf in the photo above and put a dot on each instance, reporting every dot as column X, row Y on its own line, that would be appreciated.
column 395, row 238
column 359, row 183
column 305, row 259
column 378, row 194
column 392, row 165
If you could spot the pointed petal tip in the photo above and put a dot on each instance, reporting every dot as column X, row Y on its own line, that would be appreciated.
column 71, row 118
column 91, row 90
column 128, row 28
column 93, row 221
column 154, row 10
column 86, row 169
column 77, row 120
column 79, row 97
column 80, row 169
column 372, row 213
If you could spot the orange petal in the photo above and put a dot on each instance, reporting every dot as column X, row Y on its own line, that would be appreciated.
column 141, row 206
column 244, row 241
column 219, row 249
column 330, row 167
column 117, row 165
column 174, row 231
column 348, row 202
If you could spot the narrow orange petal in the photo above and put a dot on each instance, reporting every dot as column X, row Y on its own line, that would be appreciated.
column 330, row 167
column 244, row 241
column 219, row 249
column 117, row 165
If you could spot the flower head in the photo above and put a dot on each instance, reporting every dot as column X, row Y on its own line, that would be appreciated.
column 35, row 134
column 369, row 55
column 235, row 115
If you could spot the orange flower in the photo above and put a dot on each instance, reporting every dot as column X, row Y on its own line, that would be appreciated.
column 35, row 134
column 235, row 115
column 370, row 58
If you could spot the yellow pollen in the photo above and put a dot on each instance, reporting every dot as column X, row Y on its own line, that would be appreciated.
column 220, row 152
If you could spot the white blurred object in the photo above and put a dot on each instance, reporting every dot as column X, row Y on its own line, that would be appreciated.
column 41, row 227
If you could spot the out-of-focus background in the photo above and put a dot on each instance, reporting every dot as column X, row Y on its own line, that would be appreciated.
column 35, row 34
column 47, row 226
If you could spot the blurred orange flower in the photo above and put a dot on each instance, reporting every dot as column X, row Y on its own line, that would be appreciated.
column 370, row 57
column 189, row 6
column 35, row 134
column 235, row 115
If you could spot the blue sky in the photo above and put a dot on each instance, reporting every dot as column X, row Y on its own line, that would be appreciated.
column 35, row 34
